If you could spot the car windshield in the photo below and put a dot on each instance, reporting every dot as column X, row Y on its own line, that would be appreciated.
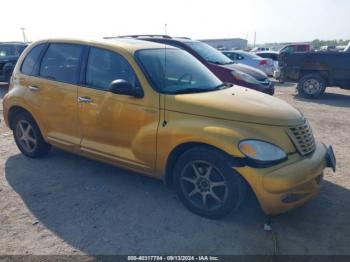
column 175, row 71
column 209, row 54
column 7, row 50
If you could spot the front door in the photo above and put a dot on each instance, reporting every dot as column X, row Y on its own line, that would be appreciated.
column 116, row 127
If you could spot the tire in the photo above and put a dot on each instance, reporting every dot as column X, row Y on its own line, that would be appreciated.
column 206, row 184
column 311, row 86
column 28, row 137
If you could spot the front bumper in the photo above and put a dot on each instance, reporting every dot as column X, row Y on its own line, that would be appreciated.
column 267, row 89
column 290, row 184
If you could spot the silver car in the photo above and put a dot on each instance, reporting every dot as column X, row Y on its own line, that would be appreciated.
column 264, row 64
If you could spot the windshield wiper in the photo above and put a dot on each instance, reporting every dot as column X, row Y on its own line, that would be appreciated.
column 198, row 90
column 190, row 90
column 223, row 86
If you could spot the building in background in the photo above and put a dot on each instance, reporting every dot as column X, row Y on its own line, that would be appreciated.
column 227, row 43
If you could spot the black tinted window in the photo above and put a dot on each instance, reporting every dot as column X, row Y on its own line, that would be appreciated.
column 232, row 56
column 61, row 63
column 105, row 66
column 7, row 50
column 31, row 59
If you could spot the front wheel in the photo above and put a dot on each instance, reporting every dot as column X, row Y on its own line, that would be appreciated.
column 206, row 183
column 311, row 86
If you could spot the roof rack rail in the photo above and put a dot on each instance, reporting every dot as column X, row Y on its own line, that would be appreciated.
column 136, row 36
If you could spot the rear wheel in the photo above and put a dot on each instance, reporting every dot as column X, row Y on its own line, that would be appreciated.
column 28, row 136
column 206, row 183
column 311, row 86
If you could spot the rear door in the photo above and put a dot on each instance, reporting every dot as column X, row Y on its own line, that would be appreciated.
column 52, row 93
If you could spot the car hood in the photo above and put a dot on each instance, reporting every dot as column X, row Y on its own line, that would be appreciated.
column 237, row 104
column 256, row 73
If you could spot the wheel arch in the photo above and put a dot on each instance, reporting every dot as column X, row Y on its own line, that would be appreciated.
column 14, row 111
column 182, row 148
column 324, row 74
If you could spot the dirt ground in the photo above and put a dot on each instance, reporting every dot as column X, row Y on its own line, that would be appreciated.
column 66, row 204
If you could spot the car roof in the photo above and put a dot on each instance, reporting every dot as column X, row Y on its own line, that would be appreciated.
column 127, row 44
column 164, row 38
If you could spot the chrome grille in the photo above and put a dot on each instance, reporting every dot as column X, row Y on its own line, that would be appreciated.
column 302, row 138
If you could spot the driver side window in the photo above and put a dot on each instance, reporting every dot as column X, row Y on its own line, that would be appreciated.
column 104, row 66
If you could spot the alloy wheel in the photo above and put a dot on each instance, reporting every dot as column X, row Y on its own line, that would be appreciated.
column 204, row 185
column 26, row 136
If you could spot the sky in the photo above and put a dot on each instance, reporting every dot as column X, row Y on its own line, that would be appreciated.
column 272, row 20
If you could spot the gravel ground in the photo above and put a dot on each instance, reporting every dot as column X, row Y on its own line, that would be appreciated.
column 66, row 204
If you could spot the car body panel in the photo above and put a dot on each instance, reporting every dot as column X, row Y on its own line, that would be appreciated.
column 253, row 106
column 119, row 127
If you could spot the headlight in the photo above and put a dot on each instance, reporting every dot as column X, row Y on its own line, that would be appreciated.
column 244, row 77
column 261, row 151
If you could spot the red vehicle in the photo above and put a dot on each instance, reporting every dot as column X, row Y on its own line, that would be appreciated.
column 224, row 68
column 296, row 48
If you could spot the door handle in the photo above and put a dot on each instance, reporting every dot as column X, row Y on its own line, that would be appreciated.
column 34, row 88
column 84, row 99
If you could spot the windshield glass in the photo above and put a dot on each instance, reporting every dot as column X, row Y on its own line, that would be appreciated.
column 209, row 54
column 174, row 71
column 7, row 50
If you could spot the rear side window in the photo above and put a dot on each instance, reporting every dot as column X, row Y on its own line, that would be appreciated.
column 61, row 63
column 105, row 66
column 32, row 59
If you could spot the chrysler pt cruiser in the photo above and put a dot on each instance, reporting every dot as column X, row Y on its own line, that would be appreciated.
column 157, row 110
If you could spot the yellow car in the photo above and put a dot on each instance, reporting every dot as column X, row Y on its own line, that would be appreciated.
column 156, row 110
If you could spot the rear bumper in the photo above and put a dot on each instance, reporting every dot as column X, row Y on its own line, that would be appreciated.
column 291, row 184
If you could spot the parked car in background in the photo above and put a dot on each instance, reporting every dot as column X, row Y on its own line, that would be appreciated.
column 9, row 54
column 224, row 68
column 295, row 48
column 264, row 64
column 260, row 49
column 314, row 71
column 157, row 110
column 273, row 55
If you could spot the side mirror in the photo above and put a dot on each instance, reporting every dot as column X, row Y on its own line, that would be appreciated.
column 123, row 87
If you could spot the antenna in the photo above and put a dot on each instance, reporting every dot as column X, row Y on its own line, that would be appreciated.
column 24, row 34
column 164, row 76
